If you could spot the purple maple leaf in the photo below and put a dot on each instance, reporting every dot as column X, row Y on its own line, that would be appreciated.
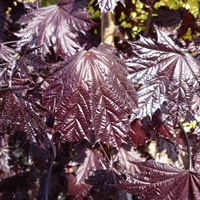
column 91, row 98
column 56, row 26
column 164, row 73
column 151, row 180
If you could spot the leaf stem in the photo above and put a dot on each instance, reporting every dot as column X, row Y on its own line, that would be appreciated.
column 148, row 23
column 49, row 170
column 104, row 152
column 188, row 147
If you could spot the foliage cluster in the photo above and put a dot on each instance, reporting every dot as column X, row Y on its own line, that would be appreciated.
column 84, row 120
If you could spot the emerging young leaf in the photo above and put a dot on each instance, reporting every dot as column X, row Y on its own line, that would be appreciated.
column 161, row 181
column 56, row 26
column 91, row 98
column 164, row 73
column 106, row 5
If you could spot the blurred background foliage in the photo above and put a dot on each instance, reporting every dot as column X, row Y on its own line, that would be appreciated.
column 180, row 18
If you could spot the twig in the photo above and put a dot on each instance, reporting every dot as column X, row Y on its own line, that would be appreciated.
column 148, row 22
column 188, row 147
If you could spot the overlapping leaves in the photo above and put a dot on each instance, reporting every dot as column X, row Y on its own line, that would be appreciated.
column 56, row 27
column 91, row 98
column 17, row 114
column 164, row 73
column 151, row 180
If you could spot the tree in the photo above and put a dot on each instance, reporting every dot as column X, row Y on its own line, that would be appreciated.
column 81, row 119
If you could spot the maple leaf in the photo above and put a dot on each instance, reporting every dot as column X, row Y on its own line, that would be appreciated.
column 28, row 71
column 6, row 53
column 124, row 158
column 164, row 73
column 106, row 5
column 17, row 114
column 136, row 133
column 90, row 163
column 56, row 26
column 91, row 98
column 163, row 125
column 161, row 181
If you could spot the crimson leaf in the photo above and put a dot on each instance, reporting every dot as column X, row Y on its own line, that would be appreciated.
column 164, row 73
column 56, row 26
column 161, row 181
column 91, row 98
column 136, row 133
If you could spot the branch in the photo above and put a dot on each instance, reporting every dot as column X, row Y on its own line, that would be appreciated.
column 148, row 23
column 107, row 28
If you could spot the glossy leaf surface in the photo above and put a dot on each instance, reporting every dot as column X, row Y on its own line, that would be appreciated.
column 56, row 26
column 106, row 5
column 164, row 73
column 91, row 98
column 17, row 114
column 160, row 181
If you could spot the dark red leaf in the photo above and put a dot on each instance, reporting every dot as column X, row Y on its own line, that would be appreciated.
column 6, row 53
column 4, row 157
column 56, row 26
column 163, row 144
column 3, row 23
column 136, row 133
column 90, row 163
column 102, row 181
column 163, row 125
column 124, row 158
column 106, row 5
column 17, row 114
column 76, row 190
column 149, row 2
column 196, row 161
column 91, row 98
column 161, row 181
column 164, row 73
